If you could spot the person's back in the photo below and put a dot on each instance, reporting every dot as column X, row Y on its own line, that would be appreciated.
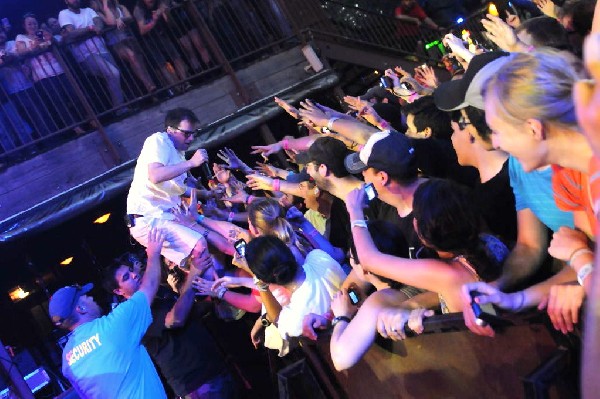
column 104, row 359
column 324, row 277
column 187, row 356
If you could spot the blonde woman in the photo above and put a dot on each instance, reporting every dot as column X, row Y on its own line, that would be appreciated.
column 530, row 110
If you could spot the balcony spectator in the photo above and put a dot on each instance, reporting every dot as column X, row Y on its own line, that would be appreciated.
column 151, row 17
column 49, row 77
column 54, row 28
column 120, row 38
column 188, row 36
column 20, row 90
column 81, row 29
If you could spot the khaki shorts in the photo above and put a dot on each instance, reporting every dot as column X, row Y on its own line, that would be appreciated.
column 179, row 240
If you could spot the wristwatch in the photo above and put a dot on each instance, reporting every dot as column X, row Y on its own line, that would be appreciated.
column 264, row 321
column 337, row 319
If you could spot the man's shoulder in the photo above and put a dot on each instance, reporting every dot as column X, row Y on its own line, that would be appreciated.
column 64, row 13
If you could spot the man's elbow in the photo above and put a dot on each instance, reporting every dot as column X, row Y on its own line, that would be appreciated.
column 342, row 359
column 153, row 177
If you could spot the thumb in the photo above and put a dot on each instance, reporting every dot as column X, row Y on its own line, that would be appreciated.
column 543, row 303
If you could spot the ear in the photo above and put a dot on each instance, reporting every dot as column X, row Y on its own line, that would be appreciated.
column 537, row 129
column 323, row 171
column 426, row 133
column 117, row 291
column 383, row 178
column 81, row 309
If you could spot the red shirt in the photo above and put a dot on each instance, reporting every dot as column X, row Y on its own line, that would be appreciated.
column 407, row 28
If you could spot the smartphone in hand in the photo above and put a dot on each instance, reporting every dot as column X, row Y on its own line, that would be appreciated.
column 240, row 247
column 370, row 192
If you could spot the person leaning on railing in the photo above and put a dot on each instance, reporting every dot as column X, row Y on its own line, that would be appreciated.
column 119, row 37
column 19, row 89
column 49, row 77
column 151, row 18
column 81, row 27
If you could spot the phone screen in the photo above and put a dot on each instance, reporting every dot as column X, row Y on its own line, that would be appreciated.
column 353, row 295
column 240, row 247
column 370, row 191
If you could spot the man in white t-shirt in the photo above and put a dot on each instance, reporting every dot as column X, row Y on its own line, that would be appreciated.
column 159, row 182
column 78, row 23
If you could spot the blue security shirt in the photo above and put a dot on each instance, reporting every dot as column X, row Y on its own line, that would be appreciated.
column 105, row 359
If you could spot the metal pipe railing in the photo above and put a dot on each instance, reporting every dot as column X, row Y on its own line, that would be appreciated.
column 85, row 82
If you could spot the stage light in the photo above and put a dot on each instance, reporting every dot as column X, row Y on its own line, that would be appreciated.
column 17, row 293
column 67, row 261
column 102, row 219
column 460, row 20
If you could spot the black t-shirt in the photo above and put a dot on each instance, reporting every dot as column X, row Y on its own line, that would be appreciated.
column 187, row 356
column 437, row 158
column 496, row 203
column 382, row 211
column 340, row 234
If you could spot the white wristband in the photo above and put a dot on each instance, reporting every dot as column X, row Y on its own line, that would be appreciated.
column 584, row 272
column 359, row 223
column 330, row 122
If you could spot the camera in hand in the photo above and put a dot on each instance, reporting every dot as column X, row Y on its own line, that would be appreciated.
column 40, row 35
column 386, row 82
column 240, row 247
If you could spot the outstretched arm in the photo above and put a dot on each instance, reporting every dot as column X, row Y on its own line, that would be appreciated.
column 151, row 279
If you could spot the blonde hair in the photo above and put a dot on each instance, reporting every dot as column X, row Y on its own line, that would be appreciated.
column 268, row 217
column 535, row 86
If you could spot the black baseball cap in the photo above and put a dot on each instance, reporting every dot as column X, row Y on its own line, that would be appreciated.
column 390, row 152
column 460, row 93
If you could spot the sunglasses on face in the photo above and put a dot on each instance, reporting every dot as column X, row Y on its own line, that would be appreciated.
column 186, row 133
column 462, row 123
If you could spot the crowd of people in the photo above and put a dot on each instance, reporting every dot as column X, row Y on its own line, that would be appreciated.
column 116, row 56
column 423, row 197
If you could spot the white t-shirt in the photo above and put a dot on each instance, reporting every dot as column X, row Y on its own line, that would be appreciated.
column 44, row 65
column 155, row 200
column 83, row 19
column 324, row 277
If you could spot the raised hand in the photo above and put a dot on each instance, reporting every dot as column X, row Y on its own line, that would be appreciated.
column 156, row 239
column 500, row 33
column 426, row 76
column 266, row 150
column 230, row 157
column 291, row 110
column 259, row 182
column 312, row 114
column 270, row 170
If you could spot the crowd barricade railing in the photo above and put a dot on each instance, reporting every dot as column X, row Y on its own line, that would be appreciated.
column 527, row 358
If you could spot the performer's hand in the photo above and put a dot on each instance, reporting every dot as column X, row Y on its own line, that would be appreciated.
column 199, row 157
